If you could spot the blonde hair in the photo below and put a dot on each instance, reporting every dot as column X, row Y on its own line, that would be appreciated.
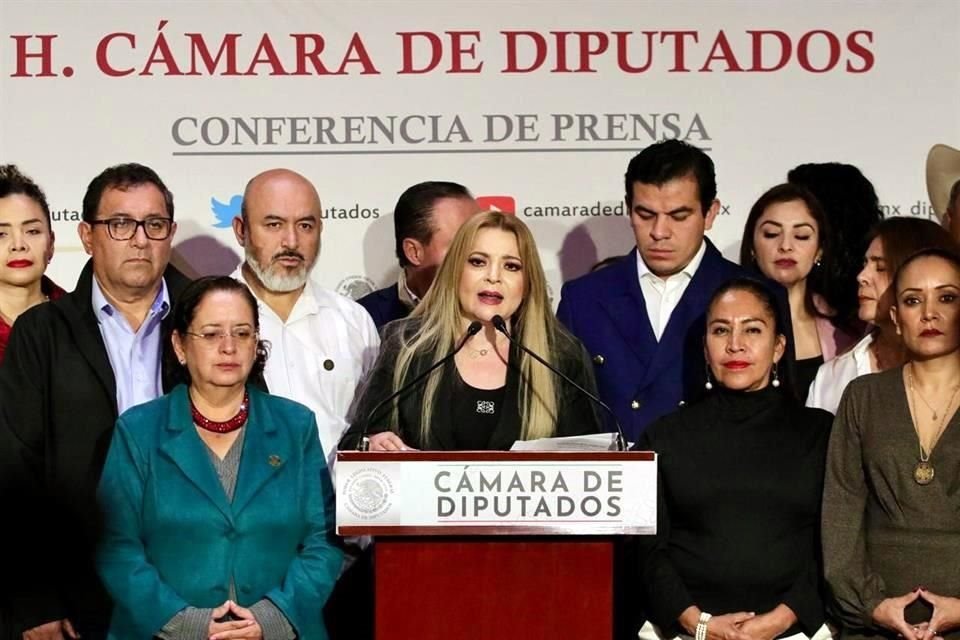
column 533, row 325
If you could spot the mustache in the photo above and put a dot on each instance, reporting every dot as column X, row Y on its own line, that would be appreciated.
column 288, row 254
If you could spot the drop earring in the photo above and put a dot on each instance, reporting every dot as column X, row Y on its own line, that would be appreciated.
column 776, row 379
column 708, row 385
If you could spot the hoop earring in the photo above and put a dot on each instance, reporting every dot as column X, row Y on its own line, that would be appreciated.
column 776, row 379
column 708, row 385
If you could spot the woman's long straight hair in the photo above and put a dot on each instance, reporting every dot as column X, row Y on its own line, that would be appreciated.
column 442, row 324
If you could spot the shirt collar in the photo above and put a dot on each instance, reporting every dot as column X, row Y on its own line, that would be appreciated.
column 103, row 308
column 407, row 297
column 689, row 270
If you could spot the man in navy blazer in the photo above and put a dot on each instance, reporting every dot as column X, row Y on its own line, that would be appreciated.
column 426, row 218
column 642, row 318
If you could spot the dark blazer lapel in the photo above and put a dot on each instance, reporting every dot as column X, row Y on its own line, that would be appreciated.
column 508, row 424
column 627, row 310
column 176, row 282
column 264, row 453
column 692, row 305
column 441, row 430
column 186, row 450
column 80, row 315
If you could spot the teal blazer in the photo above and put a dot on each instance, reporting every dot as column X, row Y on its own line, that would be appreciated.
column 171, row 539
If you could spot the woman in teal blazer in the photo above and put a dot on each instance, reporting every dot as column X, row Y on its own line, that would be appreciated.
column 217, row 503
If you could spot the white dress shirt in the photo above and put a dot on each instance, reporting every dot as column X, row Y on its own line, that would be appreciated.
column 663, row 296
column 320, row 356
column 834, row 375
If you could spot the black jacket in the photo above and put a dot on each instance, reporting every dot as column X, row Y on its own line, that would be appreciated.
column 576, row 413
column 384, row 306
column 58, row 406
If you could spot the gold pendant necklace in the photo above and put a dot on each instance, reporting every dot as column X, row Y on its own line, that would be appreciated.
column 924, row 472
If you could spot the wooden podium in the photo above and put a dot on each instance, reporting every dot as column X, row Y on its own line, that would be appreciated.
column 495, row 545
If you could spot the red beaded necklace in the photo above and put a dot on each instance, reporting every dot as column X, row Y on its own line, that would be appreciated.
column 227, row 426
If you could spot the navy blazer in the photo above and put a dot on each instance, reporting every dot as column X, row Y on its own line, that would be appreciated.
column 384, row 306
column 640, row 378
column 172, row 539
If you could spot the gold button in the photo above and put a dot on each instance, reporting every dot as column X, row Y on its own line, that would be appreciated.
column 635, row 405
column 598, row 359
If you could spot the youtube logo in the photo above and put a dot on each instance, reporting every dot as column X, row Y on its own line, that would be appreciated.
column 506, row 204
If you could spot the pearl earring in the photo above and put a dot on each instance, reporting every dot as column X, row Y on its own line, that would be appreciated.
column 776, row 379
column 708, row 385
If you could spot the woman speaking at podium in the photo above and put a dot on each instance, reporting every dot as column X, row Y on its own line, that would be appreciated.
column 740, row 480
column 487, row 393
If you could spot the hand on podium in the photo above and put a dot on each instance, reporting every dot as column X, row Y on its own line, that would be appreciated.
column 388, row 441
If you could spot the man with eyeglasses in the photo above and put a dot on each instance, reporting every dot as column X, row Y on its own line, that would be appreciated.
column 71, row 367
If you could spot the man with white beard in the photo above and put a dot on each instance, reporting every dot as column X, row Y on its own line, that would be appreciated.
column 322, row 344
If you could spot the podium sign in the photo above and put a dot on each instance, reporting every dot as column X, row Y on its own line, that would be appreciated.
column 496, row 493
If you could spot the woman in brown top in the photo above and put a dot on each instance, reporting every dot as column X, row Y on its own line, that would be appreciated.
column 891, row 510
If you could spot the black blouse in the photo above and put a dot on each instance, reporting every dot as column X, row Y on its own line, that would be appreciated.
column 576, row 414
column 740, row 481
column 476, row 413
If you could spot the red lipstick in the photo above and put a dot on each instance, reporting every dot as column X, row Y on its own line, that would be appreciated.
column 736, row 365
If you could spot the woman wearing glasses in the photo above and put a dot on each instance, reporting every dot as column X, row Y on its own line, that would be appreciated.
column 218, row 508
column 26, row 248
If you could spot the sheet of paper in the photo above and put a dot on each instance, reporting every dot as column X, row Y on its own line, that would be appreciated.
column 594, row 442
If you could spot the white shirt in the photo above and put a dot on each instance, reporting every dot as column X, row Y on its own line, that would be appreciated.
column 320, row 356
column 834, row 376
column 663, row 296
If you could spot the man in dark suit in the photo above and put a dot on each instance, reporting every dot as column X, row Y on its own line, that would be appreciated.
column 642, row 318
column 426, row 218
column 72, row 365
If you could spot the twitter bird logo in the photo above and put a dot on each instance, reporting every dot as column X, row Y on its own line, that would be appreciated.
column 225, row 213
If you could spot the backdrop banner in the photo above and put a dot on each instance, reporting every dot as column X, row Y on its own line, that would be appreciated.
column 537, row 107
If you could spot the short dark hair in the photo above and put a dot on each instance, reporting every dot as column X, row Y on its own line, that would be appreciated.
column 761, row 290
column 122, row 176
column 13, row 182
column 950, row 255
column 851, row 203
column 186, row 308
column 412, row 215
column 819, row 277
column 670, row 160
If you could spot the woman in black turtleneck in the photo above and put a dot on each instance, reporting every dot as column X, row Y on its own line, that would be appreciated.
column 740, row 481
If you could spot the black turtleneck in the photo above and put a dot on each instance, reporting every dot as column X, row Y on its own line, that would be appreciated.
column 740, row 482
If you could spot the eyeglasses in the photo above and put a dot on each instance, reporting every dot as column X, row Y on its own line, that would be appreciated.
column 211, row 339
column 126, row 228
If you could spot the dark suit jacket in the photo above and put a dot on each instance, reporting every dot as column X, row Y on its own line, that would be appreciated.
column 640, row 378
column 384, row 306
column 576, row 414
column 58, row 406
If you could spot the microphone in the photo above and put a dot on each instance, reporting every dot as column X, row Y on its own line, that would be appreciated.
column 500, row 325
column 472, row 330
